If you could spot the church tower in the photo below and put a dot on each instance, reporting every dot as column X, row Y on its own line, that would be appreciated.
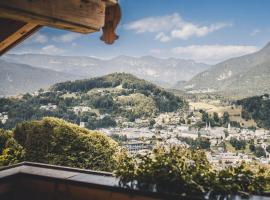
column 206, row 126
column 229, row 127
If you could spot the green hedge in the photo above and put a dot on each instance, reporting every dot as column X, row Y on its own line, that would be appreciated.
column 57, row 142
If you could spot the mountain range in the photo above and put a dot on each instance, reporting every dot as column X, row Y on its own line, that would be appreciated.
column 243, row 76
column 164, row 72
column 20, row 78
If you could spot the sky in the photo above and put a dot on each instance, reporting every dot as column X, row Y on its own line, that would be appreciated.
column 207, row 31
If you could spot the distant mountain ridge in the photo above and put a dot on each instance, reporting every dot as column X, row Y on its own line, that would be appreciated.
column 164, row 72
column 243, row 76
column 20, row 78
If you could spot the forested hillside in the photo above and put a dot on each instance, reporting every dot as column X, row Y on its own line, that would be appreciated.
column 96, row 102
column 257, row 108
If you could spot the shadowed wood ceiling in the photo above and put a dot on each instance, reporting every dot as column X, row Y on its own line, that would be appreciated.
column 21, row 18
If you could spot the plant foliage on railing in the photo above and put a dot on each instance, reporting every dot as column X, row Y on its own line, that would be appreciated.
column 186, row 172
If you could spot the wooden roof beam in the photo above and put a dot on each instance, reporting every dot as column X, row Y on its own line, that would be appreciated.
column 14, row 33
column 83, row 16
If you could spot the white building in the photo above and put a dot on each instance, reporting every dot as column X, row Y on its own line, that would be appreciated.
column 83, row 124
column 3, row 117
column 80, row 109
column 134, row 146
column 49, row 107
column 228, row 158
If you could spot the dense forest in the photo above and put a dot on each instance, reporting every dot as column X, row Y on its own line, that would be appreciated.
column 257, row 108
column 105, row 98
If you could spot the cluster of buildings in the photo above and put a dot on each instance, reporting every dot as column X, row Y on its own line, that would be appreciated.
column 223, row 159
column 169, row 131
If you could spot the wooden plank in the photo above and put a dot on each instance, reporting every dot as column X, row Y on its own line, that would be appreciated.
column 14, row 32
column 84, row 16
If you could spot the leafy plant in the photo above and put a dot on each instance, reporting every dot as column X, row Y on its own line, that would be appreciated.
column 181, row 171
column 10, row 151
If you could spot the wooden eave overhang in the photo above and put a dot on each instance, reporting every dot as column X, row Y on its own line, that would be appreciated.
column 21, row 18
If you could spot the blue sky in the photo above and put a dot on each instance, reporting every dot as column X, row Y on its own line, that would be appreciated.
column 203, row 30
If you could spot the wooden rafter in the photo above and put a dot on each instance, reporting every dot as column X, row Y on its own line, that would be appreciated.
column 15, row 33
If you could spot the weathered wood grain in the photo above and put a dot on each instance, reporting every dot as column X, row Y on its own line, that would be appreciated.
column 84, row 16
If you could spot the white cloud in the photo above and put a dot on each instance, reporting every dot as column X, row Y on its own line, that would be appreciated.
column 38, row 38
column 157, row 52
column 155, row 24
column 51, row 49
column 162, row 37
column 48, row 49
column 68, row 37
column 212, row 53
column 188, row 30
column 255, row 32
column 173, row 26
column 74, row 44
